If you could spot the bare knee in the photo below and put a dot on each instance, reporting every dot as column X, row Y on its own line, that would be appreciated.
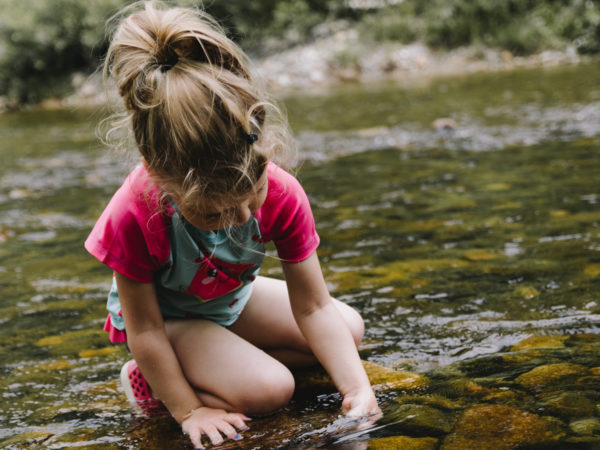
column 353, row 320
column 269, row 392
column 357, row 327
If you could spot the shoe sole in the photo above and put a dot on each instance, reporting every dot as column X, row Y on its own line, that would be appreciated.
column 126, row 385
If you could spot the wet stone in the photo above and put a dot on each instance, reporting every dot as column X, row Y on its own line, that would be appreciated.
column 540, row 342
column 586, row 427
column 27, row 440
column 523, row 357
column 382, row 378
column 543, row 376
column 528, row 292
column 503, row 397
column 500, row 427
column 423, row 420
column 403, row 443
column 592, row 270
column 480, row 255
column 434, row 400
column 461, row 388
column 92, row 352
column 569, row 405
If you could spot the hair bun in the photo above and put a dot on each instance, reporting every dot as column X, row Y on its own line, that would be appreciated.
column 166, row 59
column 189, row 48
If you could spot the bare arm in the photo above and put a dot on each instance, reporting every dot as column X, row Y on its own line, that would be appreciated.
column 150, row 346
column 328, row 336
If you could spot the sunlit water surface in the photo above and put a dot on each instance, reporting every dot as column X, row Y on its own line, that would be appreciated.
column 452, row 243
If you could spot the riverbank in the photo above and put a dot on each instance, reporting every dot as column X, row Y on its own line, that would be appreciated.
column 342, row 57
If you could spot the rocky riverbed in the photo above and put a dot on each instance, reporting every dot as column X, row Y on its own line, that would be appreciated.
column 540, row 393
column 543, row 392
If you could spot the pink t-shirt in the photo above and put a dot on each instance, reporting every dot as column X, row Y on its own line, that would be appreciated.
column 138, row 239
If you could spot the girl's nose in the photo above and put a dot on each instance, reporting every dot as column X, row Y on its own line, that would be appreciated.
column 243, row 214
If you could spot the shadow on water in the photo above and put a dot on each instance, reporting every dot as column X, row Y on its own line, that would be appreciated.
column 472, row 251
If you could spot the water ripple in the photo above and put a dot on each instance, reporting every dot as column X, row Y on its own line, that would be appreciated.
column 536, row 125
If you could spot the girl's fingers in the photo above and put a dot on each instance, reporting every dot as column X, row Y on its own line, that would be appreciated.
column 213, row 431
column 214, row 435
column 228, row 430
column 196, row 438
column 238, row 421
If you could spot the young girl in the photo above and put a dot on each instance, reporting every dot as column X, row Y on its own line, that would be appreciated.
column 185, row 237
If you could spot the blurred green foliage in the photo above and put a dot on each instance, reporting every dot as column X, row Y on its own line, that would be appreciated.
column 43, row 42
column 521, row 26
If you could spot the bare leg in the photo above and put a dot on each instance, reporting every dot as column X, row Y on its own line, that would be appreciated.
column 227, row 371
column 228, row 367
column 268, row 323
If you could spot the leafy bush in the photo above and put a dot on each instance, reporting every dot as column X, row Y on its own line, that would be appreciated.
column 43, row 42
column 522, row 26
column 398, row 23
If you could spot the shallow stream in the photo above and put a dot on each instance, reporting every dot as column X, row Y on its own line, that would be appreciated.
column 472, row 249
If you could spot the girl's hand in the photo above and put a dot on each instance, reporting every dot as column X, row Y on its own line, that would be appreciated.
column 362, row 404
column 213, row 422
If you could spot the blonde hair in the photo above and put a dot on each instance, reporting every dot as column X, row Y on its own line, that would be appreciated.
column 192, row 105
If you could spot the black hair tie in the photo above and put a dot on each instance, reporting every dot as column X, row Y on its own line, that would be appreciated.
column 251, row 138
column 168, row 63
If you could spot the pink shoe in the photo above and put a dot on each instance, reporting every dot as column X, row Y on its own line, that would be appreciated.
column 138, row 392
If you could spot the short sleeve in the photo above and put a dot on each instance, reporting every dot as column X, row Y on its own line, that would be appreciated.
column 131, row 234
column 286, row 217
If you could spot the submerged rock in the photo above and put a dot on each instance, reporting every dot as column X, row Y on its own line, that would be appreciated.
column 540, row 342
column 528, row 292
column 586, row 427
column 480, row 255
column 435, row 400
column 29, row 439
column 423, row 420
column 542, row 376
column 403, row 443
column 569, row 405
column 497, row 427
column 382, row 378
column 91, row 352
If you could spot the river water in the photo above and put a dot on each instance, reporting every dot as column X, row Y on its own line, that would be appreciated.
column 455, row 243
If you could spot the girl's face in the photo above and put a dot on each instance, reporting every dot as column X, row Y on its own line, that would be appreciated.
column 235, row 214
